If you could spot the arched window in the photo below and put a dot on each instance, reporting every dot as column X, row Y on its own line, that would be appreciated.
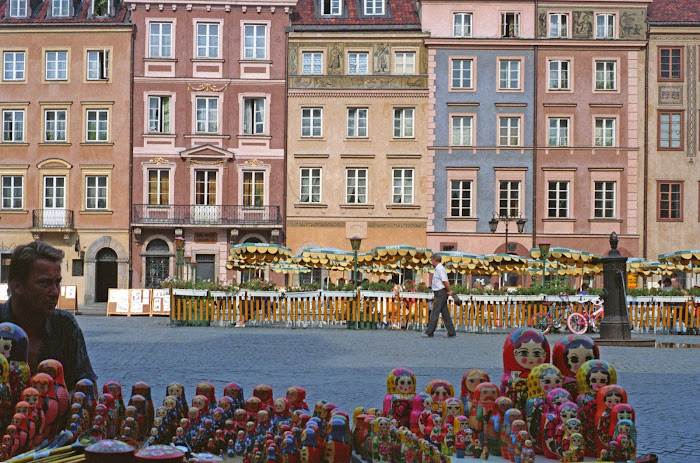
column 157, row 263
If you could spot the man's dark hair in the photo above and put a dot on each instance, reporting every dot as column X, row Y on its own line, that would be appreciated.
column 25, row 255
column 667, row 280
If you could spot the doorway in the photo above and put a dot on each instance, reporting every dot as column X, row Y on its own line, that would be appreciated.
column 105, row 273
column 205, row 267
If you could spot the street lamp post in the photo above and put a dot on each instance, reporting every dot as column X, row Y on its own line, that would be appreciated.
column 544, row 252
column 355, row 243
column 188, row 258
column 507, row 219
column 179, row 251
column 193, row 266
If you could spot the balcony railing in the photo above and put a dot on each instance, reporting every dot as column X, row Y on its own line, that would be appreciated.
column 52, row 218
column 207, row 215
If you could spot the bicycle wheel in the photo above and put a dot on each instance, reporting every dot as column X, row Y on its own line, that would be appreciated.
column 541, row 321
column 577, row 323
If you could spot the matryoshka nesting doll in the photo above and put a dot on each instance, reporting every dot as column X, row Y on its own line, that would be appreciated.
column 524, row 349
column 400, row 390
column 592, row 376
column 493, row 427
column 554, row 399
column 144, row 390
column 264, row 393
column 620, row 412
column 338, row 445
column 207, row 390
column 452, row 409
column 608, row 396
column 512, row 415
column 54, row 368
column 296, row 395
column 252, row 406
column 569, row 353
column 421, row 401
column 483, row 408
column 14, row 346
column 24, row 408
column 6, row 402
column 87, row 387
column 439, row 390
column 115, row 388
column 144, row 420
column 470, row 379
column 177, row 390
column 44, row 384
column 542, row 379
column 626, row 429
column 235, row 391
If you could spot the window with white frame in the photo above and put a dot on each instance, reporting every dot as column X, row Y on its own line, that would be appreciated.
column 358, row 63
column 159, row 114
column 18, row 8
column 403, row 122
column 160, row 40
column 331, row 7
column 56, row 65
column 312, row 62
column 558, row 131
column 253, row 188
column 670, row 130
column 460, row 198
column 404, row 62
column 510, row 24
column 55, row 125
column 558, row 25
column 462, row 24
column 357, row 123
column 158, row 187
column 13, row 126
column 60, row 8
column 604, row 200
column 12, row 192
column 205, row 187
column 13, row 65
column 462, row 130
column 311, row 122
column 253, row 116
column 207, row 114
column 207, row 40
column 97, row 124
column 95, row 192
column 374, row 7
column 605, row 75
column 255, row 41
column 402, row 186
column 98, row 65
column 604, row 131
column 100, row 8
column 559, row 75
column 557, row 199
column 509, row 74
column 462, row 70
column 310, row 185
column 604, row 26
column 509, row 198
column 356, row 186
column 509, row 131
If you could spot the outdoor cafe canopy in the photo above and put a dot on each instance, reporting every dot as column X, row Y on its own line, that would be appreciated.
column 570, row 257
column 690, row 257
column 257, row 254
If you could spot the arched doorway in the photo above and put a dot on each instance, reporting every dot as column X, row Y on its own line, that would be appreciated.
column 157, row 263
column 105, row 273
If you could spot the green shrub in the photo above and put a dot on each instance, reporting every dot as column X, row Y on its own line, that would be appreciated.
column 259, row 285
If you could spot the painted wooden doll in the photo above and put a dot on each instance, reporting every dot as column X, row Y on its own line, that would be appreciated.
column 575, row 450
column 338, row 441
column 439, row 390
column 493, row 427
column 381, row 442
column 44, row 384
column 470, row 379
column 400, row 390
column 264, row 393
column 484, row 407
column 19, row 421
column 569, row 353
column 142, row 416
column 6, row 397
column 309, row 452
column 54, row 368
column 296, row 395
column 571, row 426
column 235, row 391
column 515, row 428
column 620, row 412
column 14, row 346
column 143, row 390
column 524, row 349
column 592, row 376
column 115, row 388
column 553, row 427
column 207, row 390
column 24, row 408
column 511, row 415
column 608, row 396
column 626, row 436
column 421, row 401
column 542, row 379
column 452, row 409
column 87, row 387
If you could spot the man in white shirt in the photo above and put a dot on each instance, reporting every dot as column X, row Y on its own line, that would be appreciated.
column 441, row 289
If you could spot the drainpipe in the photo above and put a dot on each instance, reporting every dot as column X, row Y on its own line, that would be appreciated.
column 283, row 209
column 534, row 133
column 131, row 159
column 645, row 213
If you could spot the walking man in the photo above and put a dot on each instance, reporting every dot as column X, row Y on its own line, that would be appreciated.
column 441, row 289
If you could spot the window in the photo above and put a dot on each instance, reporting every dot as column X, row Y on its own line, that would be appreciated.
column 312, row 63
column 56, row 65
column 670, row 201
column 509, row 131
column 205, row 190
column 55, row 125
column 207, row 40
column 100, row 8
column 403, row 186
column 254, row 46
column 160, row 40
column 559, row 75
column 509, row 198
column 374, row 7
column 253, row 188
column 98, row 65
column 462, row 24
column 254, row 116
column 13, row 65
column 509, row 75
column 310, row 185
column 604, row 132
column 461, row 198
column 558, row 131
column 207, row 115
column 510, row 24
column 78, row 268
column 462, row 130
column 558, row 26
column 605, row 75
column 671, row 130
column 405, row 63
column 12, row 192
column 13, row 126
column 311, row 119
column 558, row 200
column 358, row 63
column 462, row 73
column 59, row 8
column 97, row 124
column 158, row 187
column 356, row 186
column 159, row 114
column 604, row 200
column 331, row 7
column 96, row 192
column 357, row 122
column 18, row 8
column 403, row 123
column 670, row 64
column 605, row 26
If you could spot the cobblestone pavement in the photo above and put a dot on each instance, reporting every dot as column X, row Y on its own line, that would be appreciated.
column 350, row 368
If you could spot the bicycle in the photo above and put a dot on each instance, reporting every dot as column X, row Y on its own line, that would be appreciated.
column 545, row 321
column 581, row 322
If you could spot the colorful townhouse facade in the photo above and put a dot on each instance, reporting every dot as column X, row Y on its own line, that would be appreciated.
column 65, row 152
column 209, row 133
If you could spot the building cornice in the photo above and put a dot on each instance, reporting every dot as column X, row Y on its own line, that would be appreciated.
column 356, row 94
column 459, row 43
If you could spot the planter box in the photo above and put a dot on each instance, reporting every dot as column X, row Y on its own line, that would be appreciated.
column 270, row 294
column 670, row 299
column 640, row 299
column 302, row 294
column 345, row 294
column 532, row 298
column 223, row 294
column 190, row 292
column 415, row 295
column 489, row 298
column 385, row 294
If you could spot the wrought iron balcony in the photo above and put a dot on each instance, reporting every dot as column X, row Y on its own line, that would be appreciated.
column 52, row 218
column 185, row 214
